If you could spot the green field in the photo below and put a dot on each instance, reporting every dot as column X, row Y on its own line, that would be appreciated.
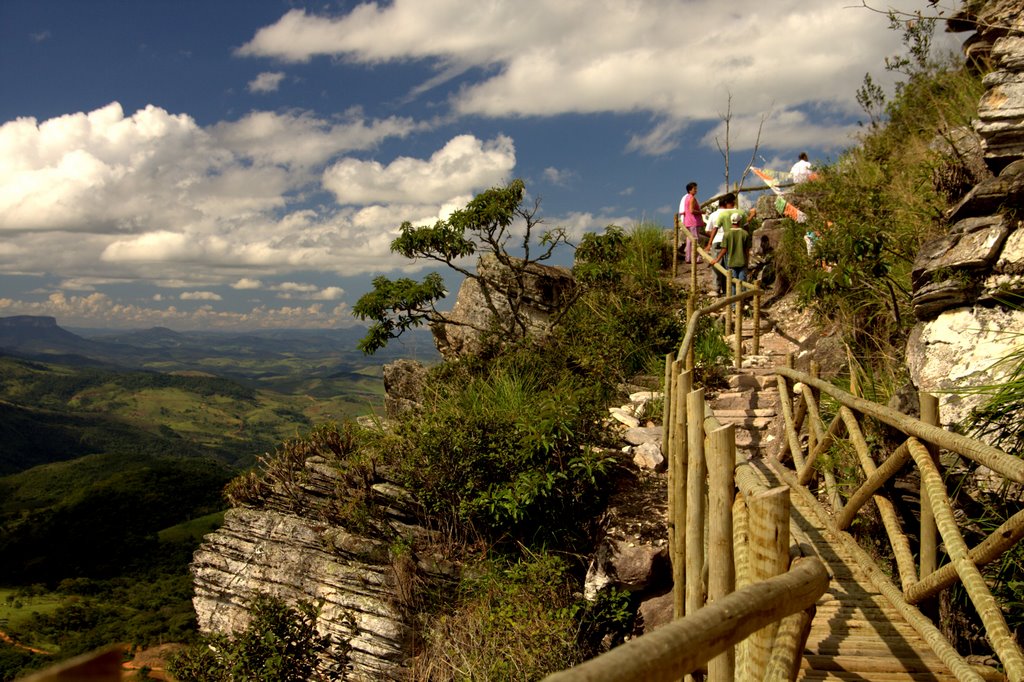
column 16, row 607
column 110, row 478
column 193, row 529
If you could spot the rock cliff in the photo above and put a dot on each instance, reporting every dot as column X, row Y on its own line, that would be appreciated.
column 294, row 548
column 967, row 285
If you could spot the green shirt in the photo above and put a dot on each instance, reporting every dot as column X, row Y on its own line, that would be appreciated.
column 724, row 219
column 736, row 242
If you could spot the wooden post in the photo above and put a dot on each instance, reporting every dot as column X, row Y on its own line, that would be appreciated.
column 721, row 571
column 694, row 445
column 812, row 396
column 691, row 310
column 768, row 529
column 741, row 556
column 929, row 531
column 684, row 381
column 728, row 308
column 696, row 472
column 737, row 345
column 693, row 268
column 790, row 427
column 854, row 379
column 675, row 248
column 673, row 474
column 756, row 350
column 788, row 647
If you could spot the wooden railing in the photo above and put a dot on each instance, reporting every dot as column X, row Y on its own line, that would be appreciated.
column 685, row 645
column 740, row 607
column 808, row 438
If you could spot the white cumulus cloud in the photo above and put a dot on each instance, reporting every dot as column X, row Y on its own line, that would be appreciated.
column 200, row 296
column 268, row 81
column 678, row 61
column 464, row 165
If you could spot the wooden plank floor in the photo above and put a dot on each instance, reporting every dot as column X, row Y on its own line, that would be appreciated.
column 856, row 633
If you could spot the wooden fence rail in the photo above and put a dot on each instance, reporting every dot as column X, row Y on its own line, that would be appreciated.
column 919, row 582
column 737, row 608
column 686, row 644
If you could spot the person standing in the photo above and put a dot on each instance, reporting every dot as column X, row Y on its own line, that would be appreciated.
column 691, row 219
column 720, row 223
column 736, row 250
column 802, row 169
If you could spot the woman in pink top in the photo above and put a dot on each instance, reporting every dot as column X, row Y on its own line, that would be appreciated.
column 691, row 218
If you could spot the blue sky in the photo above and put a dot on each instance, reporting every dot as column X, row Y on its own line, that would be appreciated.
column 215, row 164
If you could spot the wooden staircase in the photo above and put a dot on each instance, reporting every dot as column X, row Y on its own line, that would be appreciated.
column 856, row 633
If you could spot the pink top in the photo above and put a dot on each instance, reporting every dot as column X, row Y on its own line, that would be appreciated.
column 691, row 218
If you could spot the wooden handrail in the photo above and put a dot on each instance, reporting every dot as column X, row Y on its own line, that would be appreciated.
column 964, row 564
column 995, row 459
column 684, row 645
column 691, row 325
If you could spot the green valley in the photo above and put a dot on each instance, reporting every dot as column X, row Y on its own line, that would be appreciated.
column 114, row 451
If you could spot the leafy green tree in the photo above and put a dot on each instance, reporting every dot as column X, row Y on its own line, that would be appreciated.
column 494, row 222
column 280, row 644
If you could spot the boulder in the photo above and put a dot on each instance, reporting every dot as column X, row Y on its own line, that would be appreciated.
column 404, row 381
column 483, row 306
column 644, row 434
column 626, row 566
column 962, row 348
column 649, row 456
column 654, row 612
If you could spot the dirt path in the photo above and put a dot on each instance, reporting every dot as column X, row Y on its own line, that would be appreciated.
column 24, row 647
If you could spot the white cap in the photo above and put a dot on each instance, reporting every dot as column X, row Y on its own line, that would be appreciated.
column 735, row 218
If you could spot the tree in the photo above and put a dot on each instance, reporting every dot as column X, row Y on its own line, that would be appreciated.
column 280, row 644
column 487, row 225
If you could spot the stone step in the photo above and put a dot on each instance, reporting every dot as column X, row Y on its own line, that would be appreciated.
column 745, row 400
column 753, row 439
column 741, row 413
column 748, row 423
column 751, row 379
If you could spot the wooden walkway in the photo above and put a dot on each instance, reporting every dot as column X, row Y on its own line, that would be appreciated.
column 856, row 633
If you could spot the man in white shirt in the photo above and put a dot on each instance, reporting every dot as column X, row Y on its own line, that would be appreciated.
column 801, row 170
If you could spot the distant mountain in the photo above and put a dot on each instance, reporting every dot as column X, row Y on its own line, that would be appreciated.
column 156, row 337
column 37, row 333
column 41, row 338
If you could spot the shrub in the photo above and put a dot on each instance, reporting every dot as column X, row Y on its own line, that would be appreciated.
column 514, row 620
column 280, row 644
column 280, row 475
column 502, row 455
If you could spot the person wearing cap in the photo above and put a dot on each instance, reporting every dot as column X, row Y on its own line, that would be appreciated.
column 735, row 248
column 719, row 226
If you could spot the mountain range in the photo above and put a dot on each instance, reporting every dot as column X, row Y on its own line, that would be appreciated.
column 163, row 349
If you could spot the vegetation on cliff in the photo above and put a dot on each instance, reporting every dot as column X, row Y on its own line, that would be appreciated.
column 873, row 208
column 507, row 456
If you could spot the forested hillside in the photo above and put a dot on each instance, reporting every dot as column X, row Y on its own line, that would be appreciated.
column 110, row 475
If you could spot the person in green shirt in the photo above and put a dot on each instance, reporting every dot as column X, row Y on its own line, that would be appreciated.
column 735, row 249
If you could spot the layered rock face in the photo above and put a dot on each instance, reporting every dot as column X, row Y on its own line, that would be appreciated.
column 364, row 588
column 967, row 284
column 545, row 289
